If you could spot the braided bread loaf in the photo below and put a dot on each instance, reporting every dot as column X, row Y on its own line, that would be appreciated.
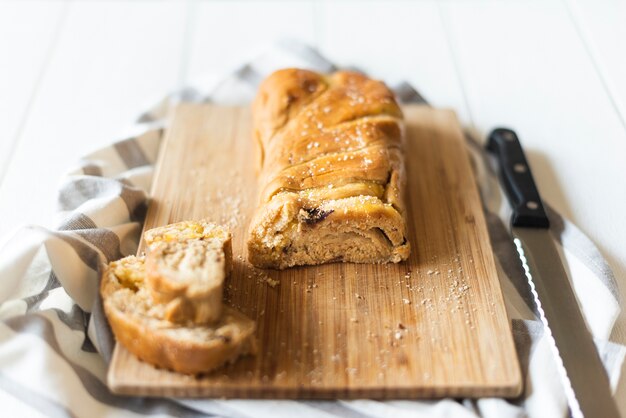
column 331, row 171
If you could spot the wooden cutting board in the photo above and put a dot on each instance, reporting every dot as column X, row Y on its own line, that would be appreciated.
column 431, row 327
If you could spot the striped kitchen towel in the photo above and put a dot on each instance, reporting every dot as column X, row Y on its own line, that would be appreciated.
column 54, row 347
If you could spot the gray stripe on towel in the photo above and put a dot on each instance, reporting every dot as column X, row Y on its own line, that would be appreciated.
column 103, row 239
column 81, row 190
column 41, row 327
column 407, row 94
column 77, row 221
column 32, row 302
column 88, row 255
column 90, row 169
column 131, row 153
column 135, row 200
column 248, row 74
column 85, row 188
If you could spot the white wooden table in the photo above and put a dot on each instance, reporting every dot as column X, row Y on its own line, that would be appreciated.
column 72, row 74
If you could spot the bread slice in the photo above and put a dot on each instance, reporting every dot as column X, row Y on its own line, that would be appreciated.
column 193, row 230
column 139, row 324
column 356, row 229
column 186, row 265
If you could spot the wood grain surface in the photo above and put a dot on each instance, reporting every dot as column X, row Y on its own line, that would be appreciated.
column 431, row 327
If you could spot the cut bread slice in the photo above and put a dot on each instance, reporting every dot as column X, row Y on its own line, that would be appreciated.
column 139, row 324
column 186, row 265
column 291, row 231
column 192, row 230
column 189, row 278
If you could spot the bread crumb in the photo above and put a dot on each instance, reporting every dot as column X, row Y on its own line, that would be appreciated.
column 354, row 320
column 272, row 282
column 351, row 370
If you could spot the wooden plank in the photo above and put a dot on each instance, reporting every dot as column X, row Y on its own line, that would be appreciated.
column 112, row 60
column 219, row 44
column 27, row 34
column 431, row 327
column 543, row 84
column 601, row 26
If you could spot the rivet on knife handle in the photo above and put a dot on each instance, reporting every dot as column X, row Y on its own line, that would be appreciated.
column 517, row 180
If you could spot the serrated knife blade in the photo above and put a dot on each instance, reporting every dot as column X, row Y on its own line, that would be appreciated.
column 584, row 379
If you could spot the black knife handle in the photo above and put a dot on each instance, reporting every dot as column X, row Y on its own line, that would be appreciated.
column 517, row 180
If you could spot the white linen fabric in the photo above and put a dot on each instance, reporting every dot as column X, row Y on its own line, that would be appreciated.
column 55, row 343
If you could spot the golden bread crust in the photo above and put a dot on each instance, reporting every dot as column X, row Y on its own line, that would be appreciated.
column 138, row 324
column 326, row 141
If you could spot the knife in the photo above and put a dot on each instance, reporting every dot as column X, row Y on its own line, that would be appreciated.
column 584, row 379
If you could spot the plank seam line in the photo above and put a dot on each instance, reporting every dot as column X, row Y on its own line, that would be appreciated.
column 189, row 32
column 592, row 51
column 56, row 36
column 443, row 17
